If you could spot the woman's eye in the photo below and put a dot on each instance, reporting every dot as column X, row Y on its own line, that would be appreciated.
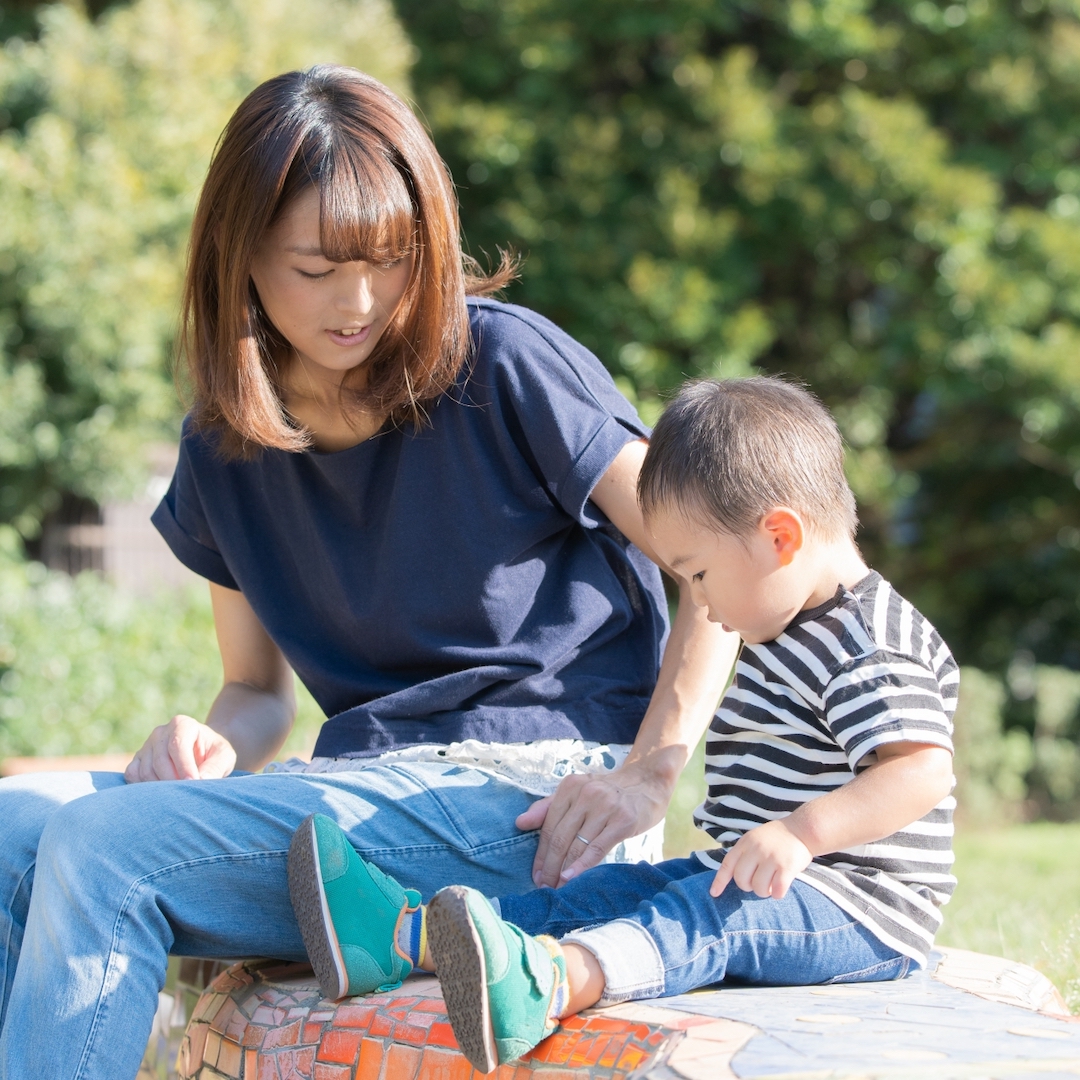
column 314, row 277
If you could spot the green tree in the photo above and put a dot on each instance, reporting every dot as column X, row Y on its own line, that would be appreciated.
column 107, row 129
column 880, row 198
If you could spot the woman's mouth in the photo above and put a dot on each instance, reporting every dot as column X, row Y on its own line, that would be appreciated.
column 349, row 335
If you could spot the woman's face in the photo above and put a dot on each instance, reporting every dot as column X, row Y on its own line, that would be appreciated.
column 331, row 313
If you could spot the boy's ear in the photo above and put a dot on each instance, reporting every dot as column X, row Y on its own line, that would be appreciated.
column 784, row 530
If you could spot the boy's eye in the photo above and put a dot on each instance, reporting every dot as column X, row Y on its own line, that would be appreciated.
column 698, row 576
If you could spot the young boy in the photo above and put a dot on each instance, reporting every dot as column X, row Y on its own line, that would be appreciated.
column 828, row 764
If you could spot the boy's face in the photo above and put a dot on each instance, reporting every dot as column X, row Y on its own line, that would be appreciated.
column 748, row 584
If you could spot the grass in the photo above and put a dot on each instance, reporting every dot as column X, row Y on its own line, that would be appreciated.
column 1018, row 897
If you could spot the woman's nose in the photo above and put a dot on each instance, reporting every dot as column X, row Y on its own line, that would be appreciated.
column 357, row 296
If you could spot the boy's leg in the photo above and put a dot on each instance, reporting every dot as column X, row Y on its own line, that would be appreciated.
column 127, row 875
column 683, row 939
column 610, row 891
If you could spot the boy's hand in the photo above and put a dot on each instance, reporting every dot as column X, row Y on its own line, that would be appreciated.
column 764, row 860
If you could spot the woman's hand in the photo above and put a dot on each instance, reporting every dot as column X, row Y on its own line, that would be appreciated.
column 182, row 749
column 606, row 808
column 250, row 718
column 603, row 808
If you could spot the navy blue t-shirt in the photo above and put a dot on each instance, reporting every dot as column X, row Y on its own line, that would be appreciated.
column 450, row 582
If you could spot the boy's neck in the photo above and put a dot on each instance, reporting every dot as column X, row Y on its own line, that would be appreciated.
column 829, row 565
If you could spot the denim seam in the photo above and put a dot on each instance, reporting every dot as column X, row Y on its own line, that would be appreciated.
column 905, row 966
column 510, row 841
column 11, row 923
column 757, row 933
column 136, row 887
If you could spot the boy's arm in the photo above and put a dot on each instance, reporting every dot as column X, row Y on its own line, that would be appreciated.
column 905, row 783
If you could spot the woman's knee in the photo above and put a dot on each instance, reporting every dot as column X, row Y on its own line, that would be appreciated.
column 29, row 802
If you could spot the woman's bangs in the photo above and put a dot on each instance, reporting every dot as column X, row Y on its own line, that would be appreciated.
column 366, row 210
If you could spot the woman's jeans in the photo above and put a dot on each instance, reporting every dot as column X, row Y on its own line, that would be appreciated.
column 660, row 932
column 100, row 880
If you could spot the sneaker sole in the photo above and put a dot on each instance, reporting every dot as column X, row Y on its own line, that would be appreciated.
column 459, row 958
column 313, row 914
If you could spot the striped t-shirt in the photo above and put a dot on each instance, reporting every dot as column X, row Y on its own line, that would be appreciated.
column 805, row 714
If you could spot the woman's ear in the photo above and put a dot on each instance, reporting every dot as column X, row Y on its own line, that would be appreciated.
column 784, row 530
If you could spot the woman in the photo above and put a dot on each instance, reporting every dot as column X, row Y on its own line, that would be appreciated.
column 426, row 508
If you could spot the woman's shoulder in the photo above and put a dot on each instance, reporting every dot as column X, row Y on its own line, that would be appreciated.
column 509, row 337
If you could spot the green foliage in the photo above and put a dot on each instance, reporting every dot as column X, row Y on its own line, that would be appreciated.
column 108, row 128
column 87, row 669
column 991, row 765
column 880, row 198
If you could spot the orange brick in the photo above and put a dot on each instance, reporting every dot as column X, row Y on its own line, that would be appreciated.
column 237, row 1025
column 381, row 1024
column 431, row 1005
column 523, row 1072
column 282, row 1036
column 586, row 1052
column 333, row 1072
column 560, row 1047
column 504, row 1072
column 612, row 1051
column 267, row 1068
column 340, row 1046
column 351, row 1016
column 251, row 1062
column 631, row 1058
column 442, row 1035
column 253, row 1035
column 615, row 1027
column 197, row 1034
column 444, row 1065
column 410, row 1033
column 267, row 1014
column 402, row 1062
column 573, row 1023
column 213, row 1048
column 371, row 1056
column 207, row 1006
column 296, row 1064
column 312, row 1033
column 223, row 1015
column 229, row 1058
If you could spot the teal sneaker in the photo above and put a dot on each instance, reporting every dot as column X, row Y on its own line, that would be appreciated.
column 348, row 910
column 497, row 981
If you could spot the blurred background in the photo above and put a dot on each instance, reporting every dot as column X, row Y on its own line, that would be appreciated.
column 879, row 198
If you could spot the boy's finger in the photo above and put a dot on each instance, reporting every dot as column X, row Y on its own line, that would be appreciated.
column 723, row 877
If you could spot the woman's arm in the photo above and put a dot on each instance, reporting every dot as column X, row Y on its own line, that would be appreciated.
column 609, row 807
column 250, row 718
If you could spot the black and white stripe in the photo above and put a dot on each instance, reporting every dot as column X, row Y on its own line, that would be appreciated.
column 805, row 714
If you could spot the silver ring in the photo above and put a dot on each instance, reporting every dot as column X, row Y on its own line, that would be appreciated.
column 583, row 840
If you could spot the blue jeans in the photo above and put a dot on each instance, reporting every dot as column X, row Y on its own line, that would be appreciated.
column 656, row 931
column 101, row 880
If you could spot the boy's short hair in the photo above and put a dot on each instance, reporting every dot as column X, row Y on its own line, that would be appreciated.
column 728, row 451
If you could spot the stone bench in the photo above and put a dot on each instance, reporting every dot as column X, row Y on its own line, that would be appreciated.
column 971, row 1016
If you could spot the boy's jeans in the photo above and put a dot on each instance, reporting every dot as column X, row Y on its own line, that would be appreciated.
column 101, row 880
column 662, row 933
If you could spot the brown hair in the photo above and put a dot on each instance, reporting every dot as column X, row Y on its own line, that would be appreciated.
column 384, row 193
column 727, row 452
